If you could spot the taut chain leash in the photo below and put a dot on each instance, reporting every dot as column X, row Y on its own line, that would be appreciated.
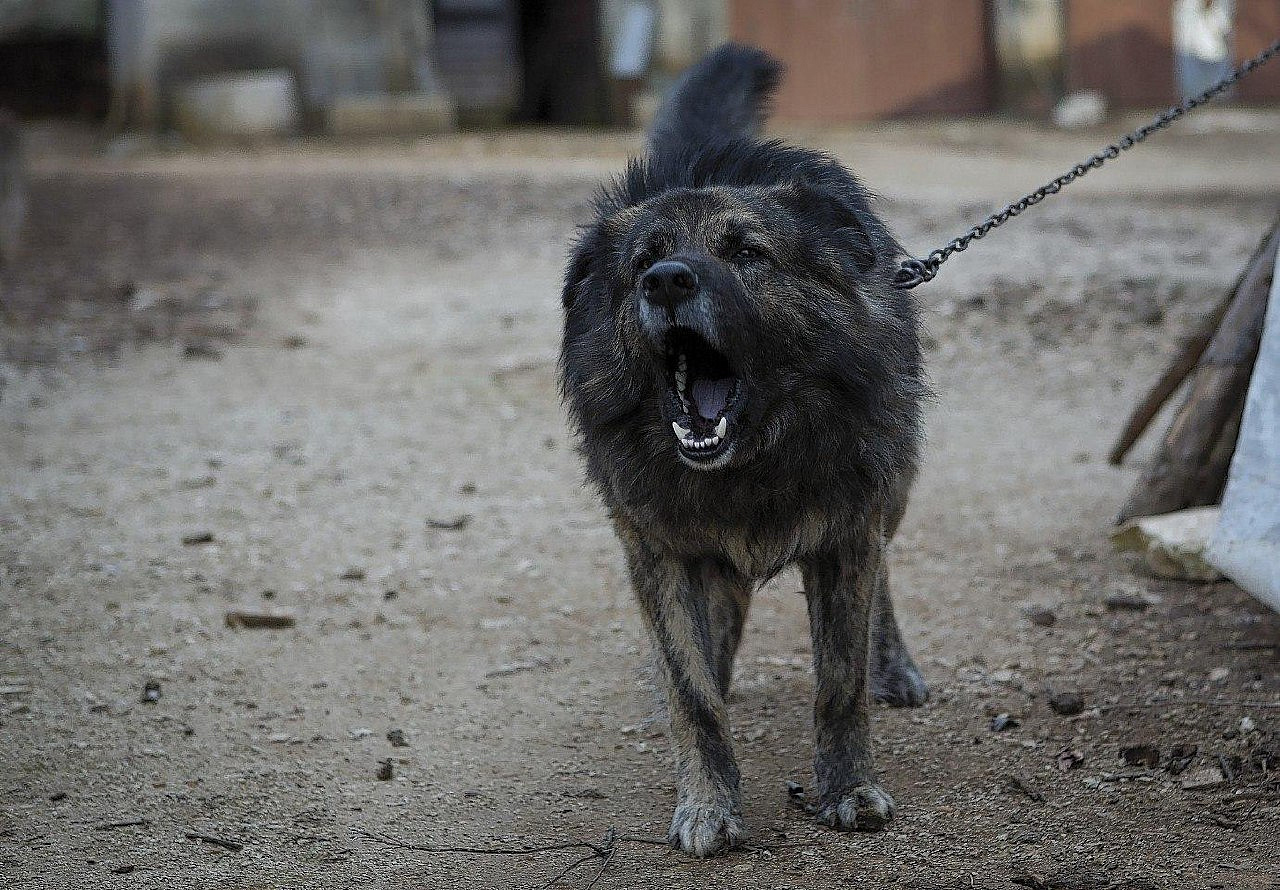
column 915, row 271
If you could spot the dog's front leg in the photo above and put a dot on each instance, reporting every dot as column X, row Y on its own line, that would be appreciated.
column 708, row 814
column 840, row 586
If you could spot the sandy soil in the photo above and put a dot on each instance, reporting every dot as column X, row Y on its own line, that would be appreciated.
column 374, row 336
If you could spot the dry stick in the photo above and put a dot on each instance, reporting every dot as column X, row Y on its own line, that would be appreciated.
column 1183, row 364
column 492, row 851
column 1206, row 702
column 1190, row 466
column 613, row 848
column 224, row 843
column 561, row 876
column 127, row 823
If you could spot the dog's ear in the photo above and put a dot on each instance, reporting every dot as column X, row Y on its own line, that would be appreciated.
column 575, row 277
column 585, row 253
column 836, row 216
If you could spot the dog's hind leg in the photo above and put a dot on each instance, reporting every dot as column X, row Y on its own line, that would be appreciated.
column 841, row 587
column 728, row 598
column 675, row 605
column 895, row 679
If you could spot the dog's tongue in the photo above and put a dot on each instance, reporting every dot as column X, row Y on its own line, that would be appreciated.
column 710, row 396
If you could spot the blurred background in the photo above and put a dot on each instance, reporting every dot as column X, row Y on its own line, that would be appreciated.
column 202, row 68
column 294, row 543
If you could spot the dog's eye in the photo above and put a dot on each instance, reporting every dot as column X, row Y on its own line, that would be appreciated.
column 747, row 253
column 644, row 261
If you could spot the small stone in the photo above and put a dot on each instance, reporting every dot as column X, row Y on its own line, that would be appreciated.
column 240, row 618
column 1180, row 757
column 1040, row 616
column 452, row 524
column 1219, row 674
column 361, row 732
column 1126, row 602
column 397, row 738
column 1201, row 779
column 352, row 573
column 1002, row 722
column 150, row 692
column 1141, row 755
column 294, row 341
column 1068, row 704
column 1247, row 725
column 385, row 770
column 194, row 482
column 1069, row 759
column 201, row 348
column 194, row 538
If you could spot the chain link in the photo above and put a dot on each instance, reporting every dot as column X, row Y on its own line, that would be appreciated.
column 915, row 271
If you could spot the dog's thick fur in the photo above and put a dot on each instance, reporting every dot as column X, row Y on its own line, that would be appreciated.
column 783, row 274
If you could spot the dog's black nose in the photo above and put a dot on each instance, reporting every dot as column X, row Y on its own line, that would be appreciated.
column 669, row 283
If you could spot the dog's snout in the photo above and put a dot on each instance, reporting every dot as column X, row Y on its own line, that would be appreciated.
column 669, row 283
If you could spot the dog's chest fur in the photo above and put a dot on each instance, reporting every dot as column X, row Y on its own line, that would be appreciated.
column 756, row 546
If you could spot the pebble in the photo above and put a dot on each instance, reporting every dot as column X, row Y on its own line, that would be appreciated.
column 1002, row 722
column 1141, row 755
column 237, row 618
column 1126, row 602
column 1200, row 779
column 385, row 771
column 1068, row 704
column 1040, row 616
column 397, row 738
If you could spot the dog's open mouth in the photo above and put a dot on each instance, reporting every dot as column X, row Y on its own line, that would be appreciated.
column 704, row 396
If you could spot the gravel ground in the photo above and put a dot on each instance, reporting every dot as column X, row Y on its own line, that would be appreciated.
column 331, row 373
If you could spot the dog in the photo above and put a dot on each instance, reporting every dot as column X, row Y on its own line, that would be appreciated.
column 746, row 386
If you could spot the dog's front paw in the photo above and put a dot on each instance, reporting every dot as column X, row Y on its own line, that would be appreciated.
column 898, row 683
column 864, row 808
column 703, row 829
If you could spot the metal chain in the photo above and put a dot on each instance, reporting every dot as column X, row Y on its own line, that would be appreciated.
column 915, row 271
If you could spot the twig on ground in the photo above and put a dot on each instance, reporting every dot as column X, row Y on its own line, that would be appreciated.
column 489, row 851
column 126, row 823
column 605, row 850
column 224, row 843
column 570, row 867
column 1175, row 702
column 611, row 840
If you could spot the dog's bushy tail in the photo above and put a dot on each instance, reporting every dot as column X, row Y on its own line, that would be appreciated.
column 723, row 96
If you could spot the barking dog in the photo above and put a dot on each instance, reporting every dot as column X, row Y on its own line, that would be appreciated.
column 746, row 382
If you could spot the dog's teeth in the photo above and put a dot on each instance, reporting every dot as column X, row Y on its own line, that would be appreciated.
column 681, row 432
column 722, row 427
column 714, row 440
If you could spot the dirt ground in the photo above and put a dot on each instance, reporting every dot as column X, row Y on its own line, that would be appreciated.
column 304, row 361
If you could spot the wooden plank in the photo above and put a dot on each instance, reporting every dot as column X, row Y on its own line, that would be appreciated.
column 1190, row 466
